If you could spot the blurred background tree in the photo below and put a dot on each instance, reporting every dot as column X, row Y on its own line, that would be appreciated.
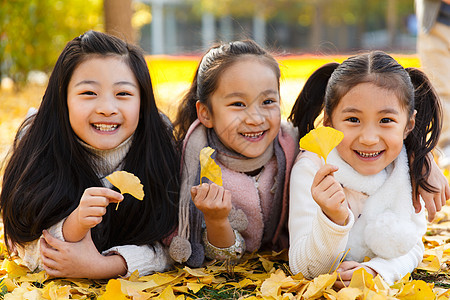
column 33, row 32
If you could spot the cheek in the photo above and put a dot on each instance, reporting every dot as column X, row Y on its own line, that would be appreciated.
column 344, row 146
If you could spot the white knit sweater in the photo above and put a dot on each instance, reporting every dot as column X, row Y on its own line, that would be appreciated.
column 381, row 213
column 145, row 259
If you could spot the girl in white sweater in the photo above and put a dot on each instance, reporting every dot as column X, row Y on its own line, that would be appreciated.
column 98, row 115
column 361, row 200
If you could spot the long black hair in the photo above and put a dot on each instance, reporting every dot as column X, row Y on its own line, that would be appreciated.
column 49, row 169
column 327, row 85
column 215, row 61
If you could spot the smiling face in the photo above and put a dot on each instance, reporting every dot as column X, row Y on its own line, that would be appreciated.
column 245, row 107
column 374, row 124
column 103, row 100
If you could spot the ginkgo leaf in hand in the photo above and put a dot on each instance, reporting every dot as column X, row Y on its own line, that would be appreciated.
column 127, row 183
column 209, row 168
column 321, row 140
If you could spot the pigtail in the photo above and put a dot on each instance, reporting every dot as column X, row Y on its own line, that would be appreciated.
column 310, row 101
column 424, row 137
column 187, row 111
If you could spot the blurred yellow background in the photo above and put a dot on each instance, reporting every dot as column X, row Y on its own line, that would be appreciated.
column 171, row 77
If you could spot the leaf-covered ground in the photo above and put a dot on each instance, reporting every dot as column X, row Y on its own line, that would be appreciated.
column 259, row 275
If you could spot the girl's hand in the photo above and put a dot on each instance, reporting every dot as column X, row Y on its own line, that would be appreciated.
column 345, row 273
column 93, row 205
column 215, row 203
column 213, row 200
column 78, row 260
column 433, row 201
column 329, row 195
column 89, row 212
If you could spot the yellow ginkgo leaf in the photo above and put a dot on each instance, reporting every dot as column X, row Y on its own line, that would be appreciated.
column 321, row 140
column 209, row 168
column 127, row 183
column 318, row 285
column 113, row 291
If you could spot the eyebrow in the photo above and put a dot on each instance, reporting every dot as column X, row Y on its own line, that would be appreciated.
column 96, row 83
column 383, row 111
column 263, row 93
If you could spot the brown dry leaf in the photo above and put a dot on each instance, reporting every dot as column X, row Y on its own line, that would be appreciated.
column 321, row 140
column 208, row 167
column 127, row 183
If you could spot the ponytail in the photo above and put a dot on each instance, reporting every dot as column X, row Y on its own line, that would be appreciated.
column 310, row 101
column 187, row 111
column 424, row 137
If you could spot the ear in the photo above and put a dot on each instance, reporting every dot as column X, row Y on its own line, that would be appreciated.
column 410, row 125
column 203, row 114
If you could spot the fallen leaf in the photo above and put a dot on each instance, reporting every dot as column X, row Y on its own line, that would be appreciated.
column 349, row 293
column 167, row 294
column 321, row 140
column 209, row 168
column 361, row 279
column 127, row 183
column 113, row 291
column 13, row 269
column 272, row 286
column 195, row 287
column 319, row 285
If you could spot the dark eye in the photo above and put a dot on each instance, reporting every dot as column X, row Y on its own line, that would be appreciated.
column 88, row 93
column 386, row 120
column 123, row 94
column 238, row 104
column 268, row 101
column 353, row 120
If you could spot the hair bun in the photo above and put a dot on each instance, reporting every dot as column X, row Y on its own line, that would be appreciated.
column 238, row 220
column 180, row 249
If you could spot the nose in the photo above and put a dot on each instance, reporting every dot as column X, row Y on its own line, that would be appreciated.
column 254, row 116
column 107, row 105
column 369, row 136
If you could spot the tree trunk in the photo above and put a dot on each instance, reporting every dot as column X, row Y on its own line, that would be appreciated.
column 316, row 26
column 391, row 16
column 118, row 15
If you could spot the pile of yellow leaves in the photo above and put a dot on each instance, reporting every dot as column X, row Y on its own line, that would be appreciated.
column 258, row 276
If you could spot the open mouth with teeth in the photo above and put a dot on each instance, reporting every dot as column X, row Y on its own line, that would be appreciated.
column 253, row 135
column 368, row 154
column 105, row 127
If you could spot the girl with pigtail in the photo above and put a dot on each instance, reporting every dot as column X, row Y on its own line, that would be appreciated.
column 233, row 106
column 361, row 200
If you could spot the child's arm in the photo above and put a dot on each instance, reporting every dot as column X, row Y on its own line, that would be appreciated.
column 329, row 195
column 78, row 260
column 394, row 269
column 89, row 212
column 215, row 204
column 82, row 260
column 316, row 242
column 433, row 201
